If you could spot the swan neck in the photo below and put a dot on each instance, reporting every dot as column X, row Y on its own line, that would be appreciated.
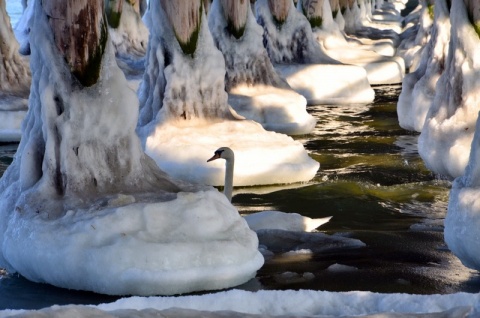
column 228, row 188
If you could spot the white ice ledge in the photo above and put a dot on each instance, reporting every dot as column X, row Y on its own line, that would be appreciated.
column 197, row 241
column 181, row 148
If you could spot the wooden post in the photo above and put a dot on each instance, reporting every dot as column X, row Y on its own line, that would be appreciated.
column 135, row 4
column 14, row 73
column 185, row 17
column 473, row 9
column 236, row 13
column 206, row 5
column 113, row 10
column 82, row 51
column 343, row 5
column 335, row 5
column 279, row 10
column 313, row 10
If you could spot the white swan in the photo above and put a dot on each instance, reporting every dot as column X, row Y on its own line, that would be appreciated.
column 266, row 219
column 227, row 154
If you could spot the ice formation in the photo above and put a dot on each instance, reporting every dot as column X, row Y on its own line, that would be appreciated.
column 185, row 116
column 128, row 33
column 386, row 47
column 283, row 221
column 411, row 47
column 299, row 59
column 279, row 241
column 82, row 206
column 14, row 82
column 445, row 141
column 358, row 24
column 129, row 36
column 256, row 90
column 23, row 26
column 462, row 222
column 274, row 303
column 380, row 69
column 418, row 87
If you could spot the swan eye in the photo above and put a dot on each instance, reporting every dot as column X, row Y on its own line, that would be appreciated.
column 218, row 153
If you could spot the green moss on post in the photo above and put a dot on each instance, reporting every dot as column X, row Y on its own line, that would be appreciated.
column 113, row 19
column 88, row 76
column 476, row 26
column 315, row 22
column 431, row 11
column 237, row 33
column 278, row 22
column 280, row 10
column 113, row 16
column 190, row 46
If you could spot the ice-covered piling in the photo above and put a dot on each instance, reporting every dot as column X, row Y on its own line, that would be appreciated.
column 298, row 58
column 183, row 95
column 81, row 192
column 380, row 69
column 446, row 137
column 419, row 87
column 14, row 81
column 256, row 90
column 127, row 31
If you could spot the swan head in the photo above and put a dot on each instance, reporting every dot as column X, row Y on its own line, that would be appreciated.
column 223, row 153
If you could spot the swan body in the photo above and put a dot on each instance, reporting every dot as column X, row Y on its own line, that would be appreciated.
column 266, row 219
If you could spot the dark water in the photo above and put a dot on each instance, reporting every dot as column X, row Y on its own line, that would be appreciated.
column 377, row 189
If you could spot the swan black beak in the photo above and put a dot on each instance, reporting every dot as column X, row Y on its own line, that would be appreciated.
column 215, row 156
